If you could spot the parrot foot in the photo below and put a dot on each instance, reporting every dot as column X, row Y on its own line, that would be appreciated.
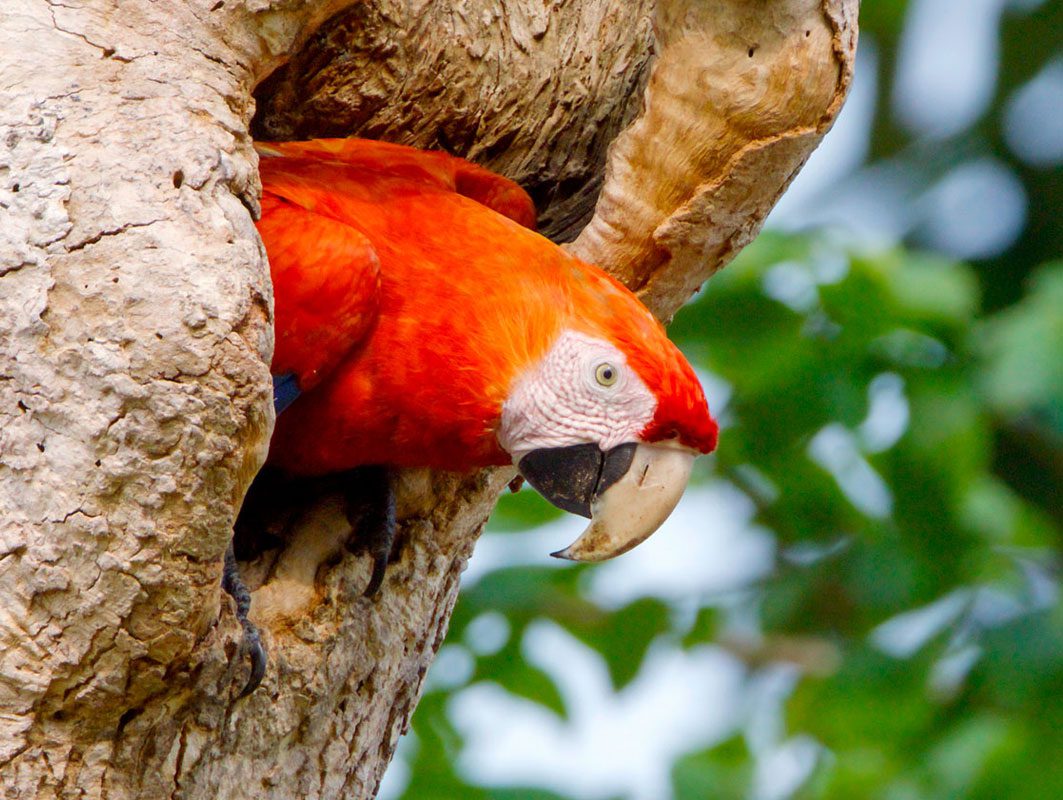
column 371, row 512
column 233, row 584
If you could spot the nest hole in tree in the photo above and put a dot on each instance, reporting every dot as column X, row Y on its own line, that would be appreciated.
column 331, row 87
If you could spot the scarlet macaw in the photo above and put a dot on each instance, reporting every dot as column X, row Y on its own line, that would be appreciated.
column 422, row 322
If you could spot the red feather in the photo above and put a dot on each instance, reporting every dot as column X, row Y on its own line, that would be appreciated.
column 430, row 333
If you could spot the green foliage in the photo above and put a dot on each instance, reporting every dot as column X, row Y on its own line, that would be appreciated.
column 1024, row 350
column 723, row 772
column 524, row 510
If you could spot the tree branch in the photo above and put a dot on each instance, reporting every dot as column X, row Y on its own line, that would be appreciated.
column 134, row 391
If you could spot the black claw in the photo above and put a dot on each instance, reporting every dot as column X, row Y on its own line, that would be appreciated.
column 371, row 511
column 376, row 579
column 233, row 584
column 257, row 653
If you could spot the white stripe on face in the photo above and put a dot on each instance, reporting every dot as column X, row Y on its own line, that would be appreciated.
column 583, row 390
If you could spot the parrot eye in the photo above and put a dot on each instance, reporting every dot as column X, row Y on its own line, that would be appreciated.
column 606, row 374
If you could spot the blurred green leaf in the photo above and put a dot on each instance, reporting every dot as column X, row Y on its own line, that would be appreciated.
column 510, row 670
column 931, row 291
column 521, row 510
column 1023, row 348
column 704, row 629
column 722, row 773
column 522, row 794
column 623, row 636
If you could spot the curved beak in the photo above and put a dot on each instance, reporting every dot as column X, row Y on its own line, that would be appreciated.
column 627, row 492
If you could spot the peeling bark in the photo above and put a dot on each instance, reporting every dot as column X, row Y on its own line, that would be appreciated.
column 134, row 300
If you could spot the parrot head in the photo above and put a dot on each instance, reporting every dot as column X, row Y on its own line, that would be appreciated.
column 608, row 422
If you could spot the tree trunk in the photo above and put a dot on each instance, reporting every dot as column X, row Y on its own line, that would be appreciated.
column 135, row 311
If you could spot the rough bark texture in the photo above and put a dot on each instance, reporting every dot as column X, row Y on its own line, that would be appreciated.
column 555, row 83
column 134, row 319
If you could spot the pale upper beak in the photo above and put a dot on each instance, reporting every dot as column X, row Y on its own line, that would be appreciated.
column 628, row 491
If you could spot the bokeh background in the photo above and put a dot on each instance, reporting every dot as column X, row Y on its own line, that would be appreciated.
column 859, row 595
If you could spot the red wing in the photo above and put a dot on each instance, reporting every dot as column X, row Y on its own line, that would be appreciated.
column 437, row 168
column 326, row 277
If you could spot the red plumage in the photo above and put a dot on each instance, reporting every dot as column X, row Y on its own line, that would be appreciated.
column 411, row 295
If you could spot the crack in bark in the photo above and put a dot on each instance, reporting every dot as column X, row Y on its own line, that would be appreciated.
column 105, row 51
column 179, row 761
column 73, row 248
column 70, row 514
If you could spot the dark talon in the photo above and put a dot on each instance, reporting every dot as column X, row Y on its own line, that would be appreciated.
column 371, row 511
column 257, row 653
column 234, row 586
column 376, row 579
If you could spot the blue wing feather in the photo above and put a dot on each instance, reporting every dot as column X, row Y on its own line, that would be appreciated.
column 285, row 391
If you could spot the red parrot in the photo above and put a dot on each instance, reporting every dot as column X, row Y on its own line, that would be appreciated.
column 427, row 324
column 422, row 322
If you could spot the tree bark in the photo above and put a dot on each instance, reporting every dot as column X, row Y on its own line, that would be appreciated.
column 135, row 325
